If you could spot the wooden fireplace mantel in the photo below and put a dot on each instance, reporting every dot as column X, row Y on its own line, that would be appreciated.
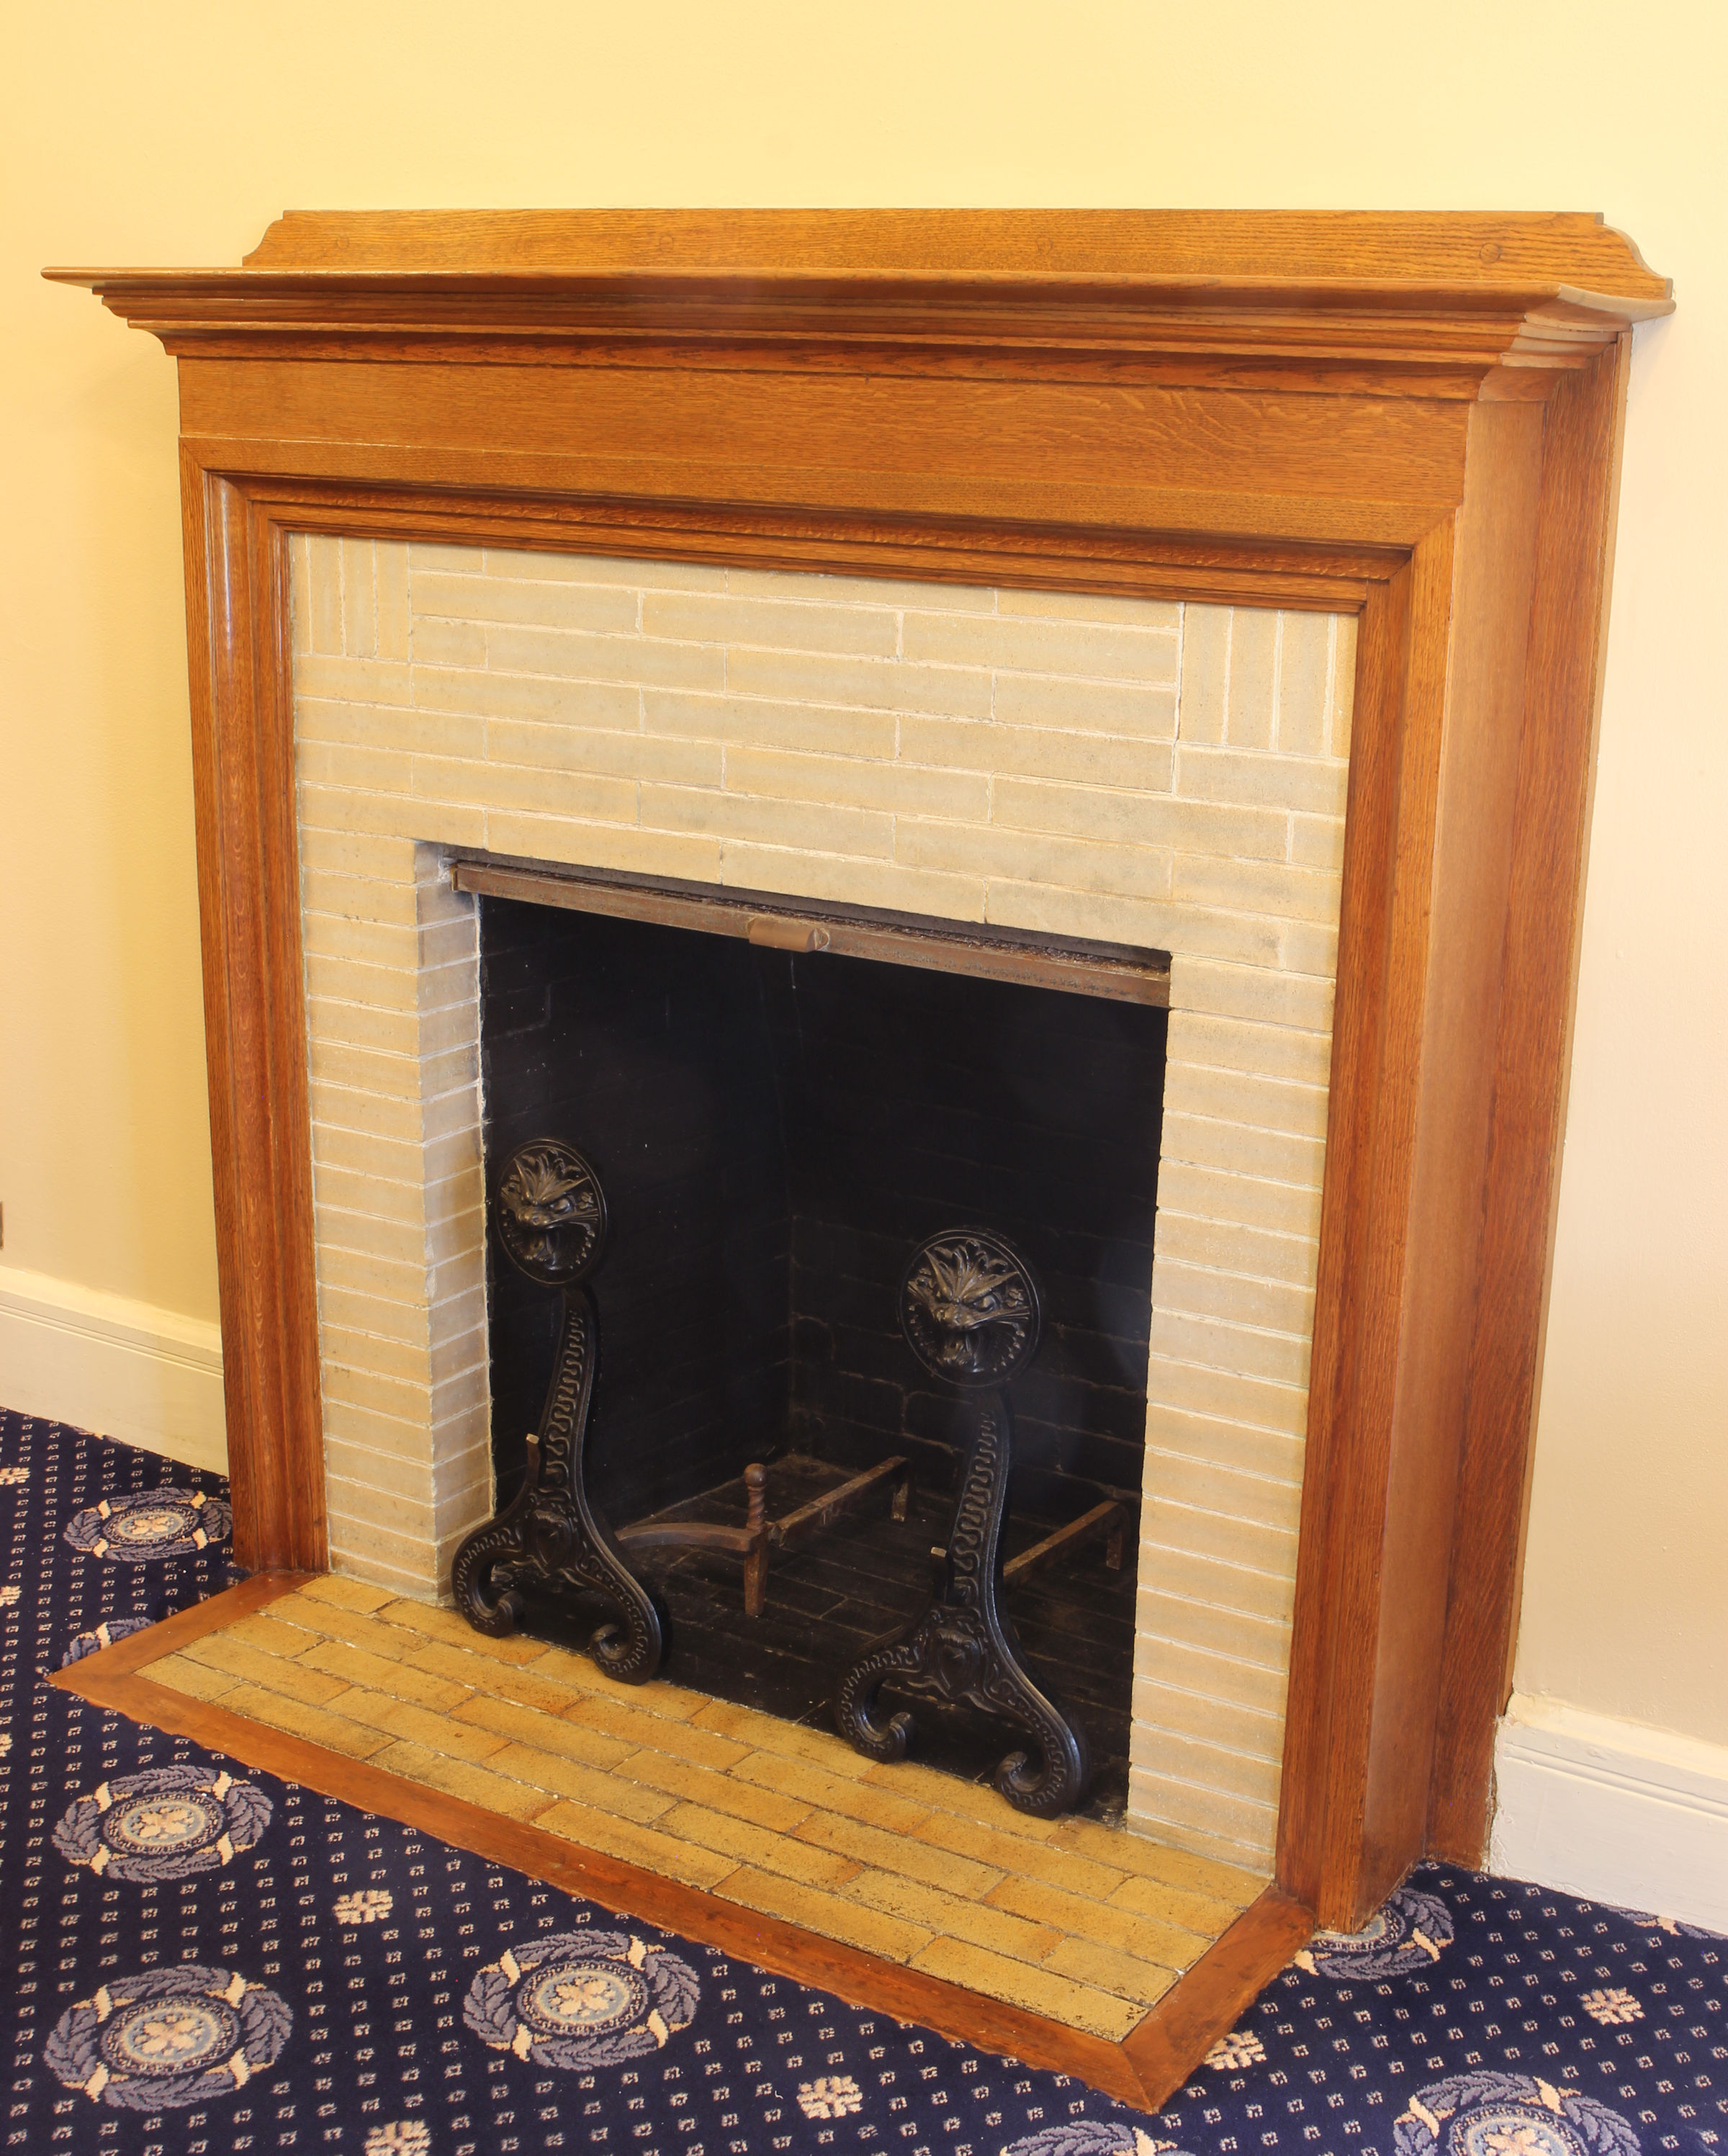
column 1415, row 419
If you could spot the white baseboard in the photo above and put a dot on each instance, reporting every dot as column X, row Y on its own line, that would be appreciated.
column 1615, row 1811
column 127, row 1370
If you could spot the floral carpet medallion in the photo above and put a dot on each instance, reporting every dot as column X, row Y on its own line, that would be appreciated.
column 583, row 1999
column 174, row 2036
column 204, row 1960
column 151, row 1526
column 165, row 1823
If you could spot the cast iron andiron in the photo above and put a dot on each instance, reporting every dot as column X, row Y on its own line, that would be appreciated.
column 970, row 1310
column 551, row 1223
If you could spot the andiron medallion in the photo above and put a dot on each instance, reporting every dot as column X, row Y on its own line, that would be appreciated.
column 551, row 1223
column 969, row 1309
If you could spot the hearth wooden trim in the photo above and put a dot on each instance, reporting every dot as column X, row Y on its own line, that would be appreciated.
column 1153, row 2060
column 1335, row 413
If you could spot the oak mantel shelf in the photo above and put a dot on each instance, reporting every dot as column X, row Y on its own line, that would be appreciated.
column 1414, row 419
column 1429, row 296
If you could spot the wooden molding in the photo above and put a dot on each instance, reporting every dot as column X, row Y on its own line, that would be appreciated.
column 1014, row 292
column 1415, row 419
column 1143, row 2070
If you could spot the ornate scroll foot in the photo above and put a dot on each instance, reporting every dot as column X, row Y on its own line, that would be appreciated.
column 970, row 1310
column 551, row 1223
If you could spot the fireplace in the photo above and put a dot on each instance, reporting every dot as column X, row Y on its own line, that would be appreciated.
column 1136, row 796
column 1367, row 460
column 775, row 1133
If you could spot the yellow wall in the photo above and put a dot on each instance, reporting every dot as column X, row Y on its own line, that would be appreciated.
column 174, row 133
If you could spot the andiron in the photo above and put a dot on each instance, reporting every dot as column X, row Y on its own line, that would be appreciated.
column 552, row 1225
column 970, row 1312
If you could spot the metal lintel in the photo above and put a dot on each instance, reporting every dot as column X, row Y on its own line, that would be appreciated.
column 1120, row 972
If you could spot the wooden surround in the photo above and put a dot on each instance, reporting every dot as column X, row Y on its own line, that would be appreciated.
column 1415, row 419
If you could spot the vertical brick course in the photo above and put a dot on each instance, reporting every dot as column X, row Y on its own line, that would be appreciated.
column 1136, row 771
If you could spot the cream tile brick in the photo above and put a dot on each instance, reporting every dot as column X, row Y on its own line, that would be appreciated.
column 348, row 763
column 1228, row 991
column 854, row 882
column 354, row 680
column 391, row 1325
column 821, row 729
column 1256, row 1102
column 342, row 1346
column 1237, row 778
column 542, row 605
column 1289, row 1260
column 1232, row 1395
column 435, row 643
column 611, row 707
column 597, row 569
column 1160, row 1804
column 1304, row 679
column 1204, row 1627
column 1205, row 675
column 373, row 728
column 1105, row 760
column 1095, row 815
column 901, row 789
column 604, row 845
column 392, row 621
column 1207, row 1533
column 746, row 1842
column 1057, row 700
column 897, row 593
column 1281, row 1208
column 1159, row 617
column 590, row 1828
column 1278, row 1156
column 822, row 829
column 1253, row 660
column 353, row 898
column 356, row 854
column 1035, row 643
column 1161, row 1938
column 324, row 561
column 587, row 794
column 1342, row 687
column 1245, row 1044
column 1221, row 1724
column 366, row 1234
column 1193, row 1669
column 631, row 755
column 1184, row 1758
column 1106, row 917
column 426, row 556
column 736, row 618
column 1271, row 887
column 359, row 610
column 1257, row 1501
column 1275, row 1456
column 578, row 655
column 886, row 685
column 1031, row 857
column 359, row 1467
column 1199, row 1291
column 1215, row 1582
column 1317, row 841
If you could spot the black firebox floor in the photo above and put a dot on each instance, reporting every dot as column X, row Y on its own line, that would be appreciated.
column 860, row 1582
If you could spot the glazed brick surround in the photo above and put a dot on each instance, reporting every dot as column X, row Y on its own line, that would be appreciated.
column 1137, row 771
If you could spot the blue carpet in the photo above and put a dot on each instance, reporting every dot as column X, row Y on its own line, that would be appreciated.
column 202, row 1960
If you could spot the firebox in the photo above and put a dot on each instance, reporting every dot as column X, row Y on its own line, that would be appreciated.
column 778, row 1126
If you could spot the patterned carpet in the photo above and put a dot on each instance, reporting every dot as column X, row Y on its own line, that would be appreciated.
column 203, row 1959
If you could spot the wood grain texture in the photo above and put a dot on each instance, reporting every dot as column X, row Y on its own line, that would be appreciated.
column 1189, row 2020
column 1323, row 412
column 1199, row 2007
column 1538, row 976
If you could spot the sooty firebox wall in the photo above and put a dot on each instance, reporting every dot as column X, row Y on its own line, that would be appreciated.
column 774, row 1134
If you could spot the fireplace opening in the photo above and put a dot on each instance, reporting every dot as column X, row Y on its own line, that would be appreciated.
column 775, row 1132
